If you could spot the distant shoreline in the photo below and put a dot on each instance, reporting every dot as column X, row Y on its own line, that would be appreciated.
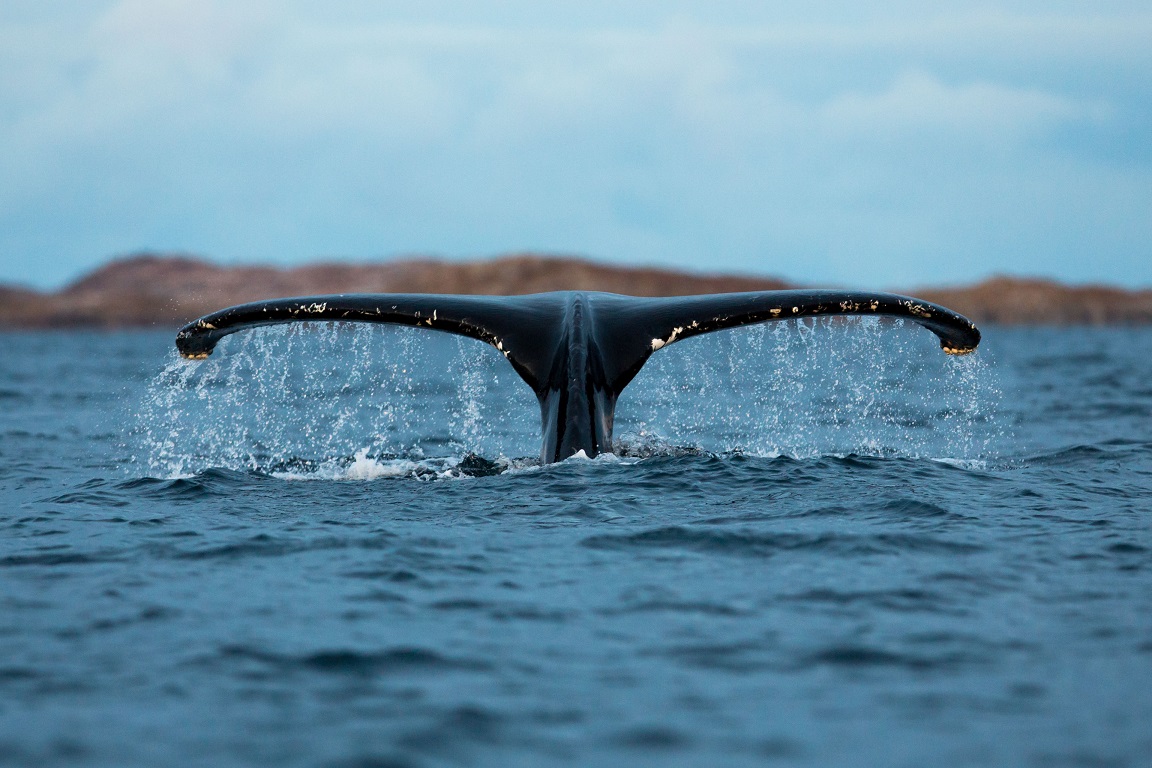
column 157, row 290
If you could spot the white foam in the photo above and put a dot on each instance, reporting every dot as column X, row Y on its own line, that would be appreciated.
column 358, row 402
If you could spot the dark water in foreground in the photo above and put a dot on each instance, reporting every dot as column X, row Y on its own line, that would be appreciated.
column 821, row 545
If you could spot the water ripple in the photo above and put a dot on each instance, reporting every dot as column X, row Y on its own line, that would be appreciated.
column 756, row 544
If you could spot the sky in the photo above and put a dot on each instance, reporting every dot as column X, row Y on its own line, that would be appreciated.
column 874, row 145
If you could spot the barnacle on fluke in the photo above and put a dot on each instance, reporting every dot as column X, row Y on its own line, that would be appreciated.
column 577, row 350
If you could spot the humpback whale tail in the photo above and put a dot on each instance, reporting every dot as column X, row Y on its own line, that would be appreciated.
column 577, row 350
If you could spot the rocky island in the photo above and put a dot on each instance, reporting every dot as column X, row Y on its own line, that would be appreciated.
column 165, row 291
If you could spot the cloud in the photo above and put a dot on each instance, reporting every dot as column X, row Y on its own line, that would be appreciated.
column 847, row 149
column 916, row 104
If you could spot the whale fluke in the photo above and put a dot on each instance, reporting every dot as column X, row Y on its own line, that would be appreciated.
column 577, row 350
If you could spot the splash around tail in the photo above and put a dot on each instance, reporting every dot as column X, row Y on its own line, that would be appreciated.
column 577, row 350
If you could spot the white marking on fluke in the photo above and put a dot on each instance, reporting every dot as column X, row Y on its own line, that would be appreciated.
column 657, row 343
column 917, row 309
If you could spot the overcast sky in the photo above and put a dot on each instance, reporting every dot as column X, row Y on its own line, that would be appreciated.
column 882, row 144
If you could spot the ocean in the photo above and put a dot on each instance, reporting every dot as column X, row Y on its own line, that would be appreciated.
column 817, row 543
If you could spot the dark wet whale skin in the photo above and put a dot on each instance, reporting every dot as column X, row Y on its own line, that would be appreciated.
column 577, row 350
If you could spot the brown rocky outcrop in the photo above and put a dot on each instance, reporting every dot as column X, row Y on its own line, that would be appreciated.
column 1016, row 301
column 169, row 290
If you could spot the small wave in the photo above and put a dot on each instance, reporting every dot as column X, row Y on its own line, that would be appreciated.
column 653, row 737
column 755, row 544
column 902, row 600
column 741, row 656
column 910, row 509
column 8, row 674
column 58, row 558
column 351, row 662
column 89, row 496
column 204, row 484
column 264, row 545
column 677, row 607
column 862, row 656
column 1087, row 454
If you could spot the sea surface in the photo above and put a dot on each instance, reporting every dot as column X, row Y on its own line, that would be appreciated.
column 817, row 543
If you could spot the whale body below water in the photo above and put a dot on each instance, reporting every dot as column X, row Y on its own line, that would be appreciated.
column 577, row 350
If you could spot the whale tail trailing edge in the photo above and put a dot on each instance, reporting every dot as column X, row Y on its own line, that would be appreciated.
column 525, row 325
column 634, row 328
column 577, row 351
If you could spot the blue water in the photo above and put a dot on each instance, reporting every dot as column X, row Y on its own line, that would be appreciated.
column 818, row 544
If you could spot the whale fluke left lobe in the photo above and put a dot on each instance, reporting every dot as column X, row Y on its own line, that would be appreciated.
column 520, row 327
